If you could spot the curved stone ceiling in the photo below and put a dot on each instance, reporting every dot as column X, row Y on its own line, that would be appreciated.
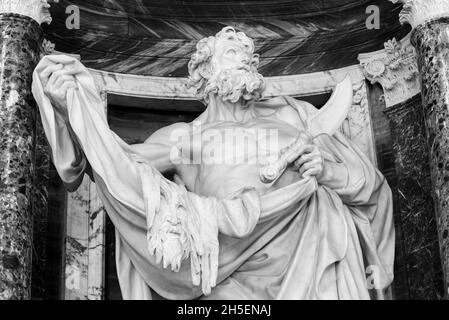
column 157, row 37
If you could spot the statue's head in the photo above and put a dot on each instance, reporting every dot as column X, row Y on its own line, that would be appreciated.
column 226, row 65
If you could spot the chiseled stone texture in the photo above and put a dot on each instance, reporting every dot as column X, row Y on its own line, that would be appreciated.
column 415, row 209
column 432, row 43
column 85, row 247
column 20, row 38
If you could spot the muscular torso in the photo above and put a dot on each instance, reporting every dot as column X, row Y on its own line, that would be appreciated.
column 233, row 152
column 227, row 155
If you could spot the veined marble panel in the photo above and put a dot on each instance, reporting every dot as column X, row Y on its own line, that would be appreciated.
column 76, row 255
column 84, row 276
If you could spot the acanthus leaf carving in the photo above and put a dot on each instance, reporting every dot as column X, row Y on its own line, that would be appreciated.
column 395, row 68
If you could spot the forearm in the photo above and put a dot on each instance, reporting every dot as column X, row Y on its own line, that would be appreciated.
column 157, row 154
column 68, row 157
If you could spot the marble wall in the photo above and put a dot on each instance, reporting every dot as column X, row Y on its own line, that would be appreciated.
column 415, row 214
column 431, row 41
column 385, row 163
column 84, row 252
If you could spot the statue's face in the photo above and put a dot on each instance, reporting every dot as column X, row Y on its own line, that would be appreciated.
column 232, row 76
column 230, row 55
column 226, row 66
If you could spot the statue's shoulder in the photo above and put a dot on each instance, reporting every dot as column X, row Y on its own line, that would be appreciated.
column 166, row 133
column 286, row 107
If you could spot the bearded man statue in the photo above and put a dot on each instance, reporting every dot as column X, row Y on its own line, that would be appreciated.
column 317, row 224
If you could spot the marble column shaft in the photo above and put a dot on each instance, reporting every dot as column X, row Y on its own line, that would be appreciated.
column 431, row 40
column 20, row 42
column 415, row 208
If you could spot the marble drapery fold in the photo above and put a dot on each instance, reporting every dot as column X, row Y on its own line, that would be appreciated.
column 304, row 241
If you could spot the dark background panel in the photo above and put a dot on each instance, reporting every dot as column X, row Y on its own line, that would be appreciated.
column 157, row 37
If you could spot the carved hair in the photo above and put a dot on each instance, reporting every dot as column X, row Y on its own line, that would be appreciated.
column 201, row 68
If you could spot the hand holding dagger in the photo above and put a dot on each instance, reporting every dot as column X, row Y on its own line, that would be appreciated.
column 327, row 121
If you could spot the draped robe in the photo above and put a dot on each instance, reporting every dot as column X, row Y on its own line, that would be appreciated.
column 303, row 241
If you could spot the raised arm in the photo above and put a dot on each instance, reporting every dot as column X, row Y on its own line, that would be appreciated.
column 70, row 161
column 162, row 148
column 159, row 148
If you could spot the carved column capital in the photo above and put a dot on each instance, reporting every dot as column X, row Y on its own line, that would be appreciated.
column 416, row 12
column 395, row 69
column 35, row 9
column 47, row 47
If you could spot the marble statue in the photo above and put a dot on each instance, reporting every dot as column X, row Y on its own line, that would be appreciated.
column 268, row 201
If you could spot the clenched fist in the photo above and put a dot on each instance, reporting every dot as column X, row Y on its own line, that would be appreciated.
column 56, row 81
column 305, row 157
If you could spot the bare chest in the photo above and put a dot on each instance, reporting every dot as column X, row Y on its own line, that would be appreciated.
column 228, row 155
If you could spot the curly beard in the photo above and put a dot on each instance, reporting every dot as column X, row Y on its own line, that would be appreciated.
column 233, row 84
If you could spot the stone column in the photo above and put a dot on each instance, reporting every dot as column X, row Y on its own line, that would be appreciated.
column 415, row 207
column 21, row 38
column 430, row 36
column 418, row 272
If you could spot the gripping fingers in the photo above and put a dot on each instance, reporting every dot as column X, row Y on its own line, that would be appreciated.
column 303, row 159
column 63, row 78
column 67, row 85
column 310, row 165
column 315, row 169
column 312, row 172
column 297, row 152
column 45, row 75
column 54, row 77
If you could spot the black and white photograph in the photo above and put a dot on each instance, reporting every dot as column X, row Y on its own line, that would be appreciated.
column 239, row 150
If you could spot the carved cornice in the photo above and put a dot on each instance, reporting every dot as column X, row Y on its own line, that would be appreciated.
column 416, row 12
column 175, row 88
column 35, row 9
column 395, row 68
